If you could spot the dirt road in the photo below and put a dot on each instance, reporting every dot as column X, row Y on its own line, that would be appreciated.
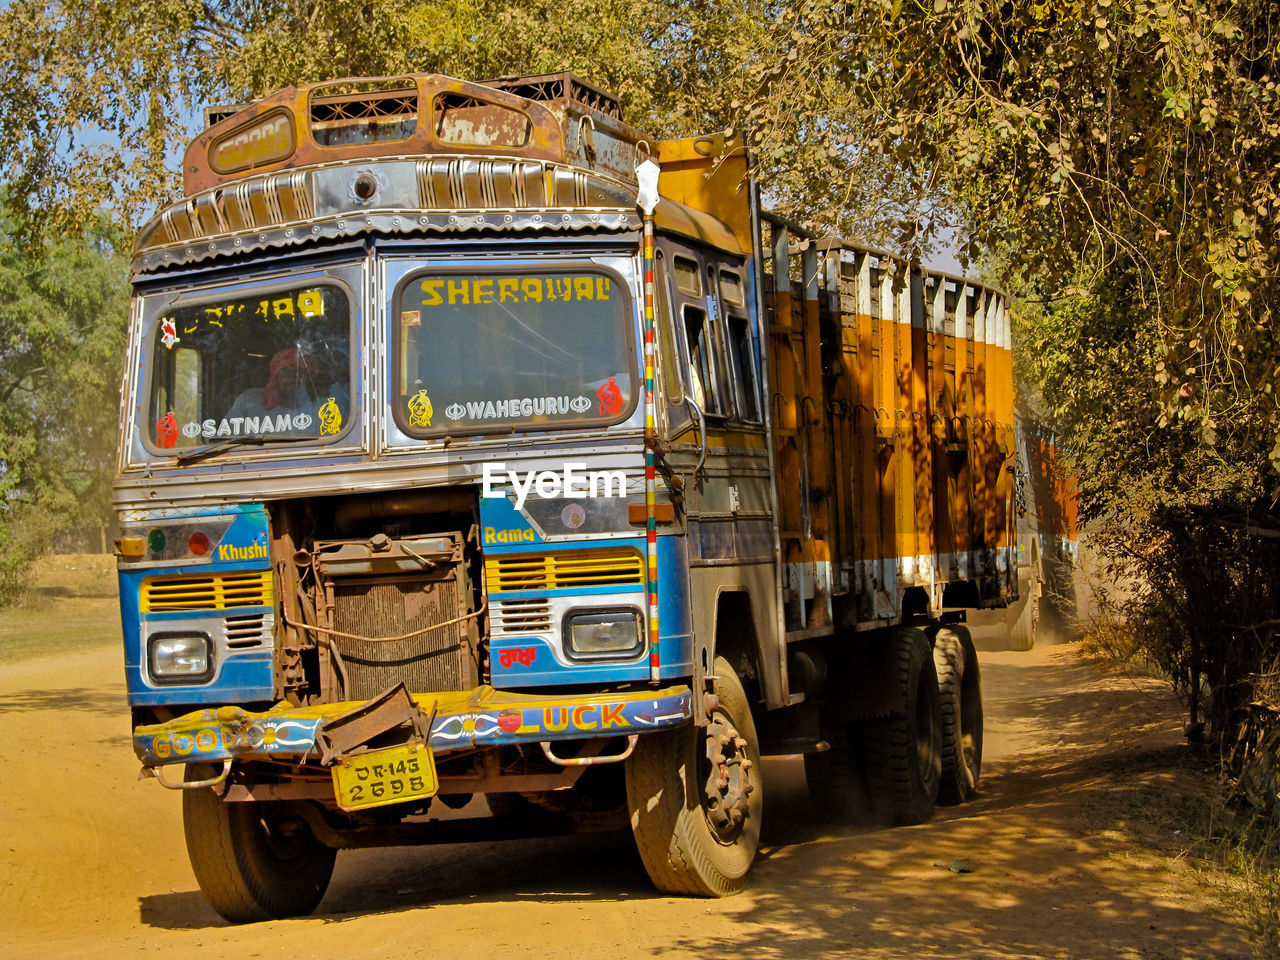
column 92, row 862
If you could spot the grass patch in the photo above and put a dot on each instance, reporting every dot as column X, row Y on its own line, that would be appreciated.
column 72, row 604
column 1170, row 801
column 1240, row 848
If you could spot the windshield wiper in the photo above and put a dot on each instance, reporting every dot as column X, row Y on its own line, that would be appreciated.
column 223, row 446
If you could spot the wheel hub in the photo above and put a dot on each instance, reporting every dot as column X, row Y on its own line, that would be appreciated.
column 729, row 782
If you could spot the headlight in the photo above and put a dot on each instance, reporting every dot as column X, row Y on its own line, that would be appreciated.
column 179, row 657
column 603, row 633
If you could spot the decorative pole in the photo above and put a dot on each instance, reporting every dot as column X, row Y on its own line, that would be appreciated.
column 647, row 200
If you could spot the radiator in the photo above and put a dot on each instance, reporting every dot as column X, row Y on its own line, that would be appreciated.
column 370, row 596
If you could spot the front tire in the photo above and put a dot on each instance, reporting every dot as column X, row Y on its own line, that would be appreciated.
column 253, row 861
column 695, row 797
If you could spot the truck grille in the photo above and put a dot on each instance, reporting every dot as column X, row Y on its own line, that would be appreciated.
column 216, row 592
column 523, row 616
column 566, row 569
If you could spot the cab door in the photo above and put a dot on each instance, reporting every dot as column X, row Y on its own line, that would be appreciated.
column 716, row 442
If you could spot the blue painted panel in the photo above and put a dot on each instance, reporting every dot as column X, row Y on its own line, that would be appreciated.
column 130, row 617
column 504, row 528
column 675, row 644
column 675, row 620
column 241, row 678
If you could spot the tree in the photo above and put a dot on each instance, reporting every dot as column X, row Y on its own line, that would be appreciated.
column 101, row 118
column 62, row 334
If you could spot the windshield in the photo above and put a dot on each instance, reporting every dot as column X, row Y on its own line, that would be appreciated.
column 477, row 352
column 272, row 364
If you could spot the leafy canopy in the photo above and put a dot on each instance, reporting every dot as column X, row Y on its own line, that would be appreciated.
column 102, row 97
column 62, row 336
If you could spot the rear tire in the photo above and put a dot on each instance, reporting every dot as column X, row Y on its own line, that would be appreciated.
column 836, row 777
column 695, row 797
column 960, row 700
column 903, row 752
column 253, row 861
column 1022, row 631
column 511, row 805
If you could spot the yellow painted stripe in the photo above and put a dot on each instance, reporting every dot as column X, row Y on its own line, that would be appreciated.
column 722, row 438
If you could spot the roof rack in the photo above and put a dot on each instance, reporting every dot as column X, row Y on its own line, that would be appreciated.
column 554, row 117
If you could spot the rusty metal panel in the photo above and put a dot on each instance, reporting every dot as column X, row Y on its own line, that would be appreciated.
column 556, row 117
column 493, row 118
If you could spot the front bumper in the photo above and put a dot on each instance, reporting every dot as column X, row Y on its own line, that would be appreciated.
column 465, row 719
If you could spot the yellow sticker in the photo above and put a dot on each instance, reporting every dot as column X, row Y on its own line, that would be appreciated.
column 330, row 417
column 420, row 410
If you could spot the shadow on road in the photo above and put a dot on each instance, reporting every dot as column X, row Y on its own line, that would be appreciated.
column 1070, row 845
column 597, row 868
column 92, row 699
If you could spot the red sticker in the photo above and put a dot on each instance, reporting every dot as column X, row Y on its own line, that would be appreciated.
column 610, row 398
column 167, row 431
column 168, row 334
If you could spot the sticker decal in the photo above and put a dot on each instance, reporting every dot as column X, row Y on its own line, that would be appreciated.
column 411, row 318
column 573, row 516
column 493, row 535
column 168, row 333
column 420, row 410
column 247, row 426
column 525, row 656
column 330, row 417
column 167, row 431
column 610, row 398
column 468, row 291
column 512, row 407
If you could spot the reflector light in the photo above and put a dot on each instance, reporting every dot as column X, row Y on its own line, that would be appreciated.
column 198, row 543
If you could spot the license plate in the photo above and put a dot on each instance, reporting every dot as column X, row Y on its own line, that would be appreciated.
column 385, row 776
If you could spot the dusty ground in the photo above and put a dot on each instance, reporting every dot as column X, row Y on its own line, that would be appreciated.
column 1065, row 864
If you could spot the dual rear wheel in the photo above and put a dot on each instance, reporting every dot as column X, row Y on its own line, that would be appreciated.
column 893, row 769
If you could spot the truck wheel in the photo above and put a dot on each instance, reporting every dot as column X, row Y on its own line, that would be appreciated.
column 960, row 699
column 695, row 797
column 903, row 752
column 511, row 805
column 253, row 861
column 837, row 779
column 1022, row 631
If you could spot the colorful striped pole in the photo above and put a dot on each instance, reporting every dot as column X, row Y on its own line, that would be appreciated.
column 647, row 175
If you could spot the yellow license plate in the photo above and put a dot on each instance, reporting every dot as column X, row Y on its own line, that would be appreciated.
column 385, row 776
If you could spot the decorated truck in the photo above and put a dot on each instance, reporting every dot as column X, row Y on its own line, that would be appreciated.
column 477, row 444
